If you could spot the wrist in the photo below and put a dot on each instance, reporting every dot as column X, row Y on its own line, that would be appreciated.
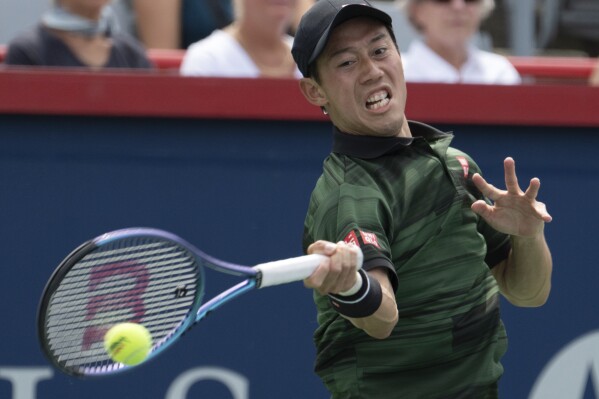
column 364, row 302
column 527, row 240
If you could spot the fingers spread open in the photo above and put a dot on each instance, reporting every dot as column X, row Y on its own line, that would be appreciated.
column 488, row 190
column 533, row 189
column 511, row 180
column 481, row 208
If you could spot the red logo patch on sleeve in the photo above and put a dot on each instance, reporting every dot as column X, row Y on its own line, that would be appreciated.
column 351, row 239
column 464, row 162
column 367, row 238
column 370, row 238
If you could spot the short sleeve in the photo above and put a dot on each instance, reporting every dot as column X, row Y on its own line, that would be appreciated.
column 358, row 215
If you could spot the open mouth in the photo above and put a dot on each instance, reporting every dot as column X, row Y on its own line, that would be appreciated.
column 378, row 100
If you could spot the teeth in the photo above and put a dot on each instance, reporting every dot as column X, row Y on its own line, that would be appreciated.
column 377, row 97
column 377, row 100
column 379, row 104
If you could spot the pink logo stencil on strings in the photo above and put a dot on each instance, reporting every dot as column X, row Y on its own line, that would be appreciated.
column 464, row 162
column 367, row 238
column 122, row 298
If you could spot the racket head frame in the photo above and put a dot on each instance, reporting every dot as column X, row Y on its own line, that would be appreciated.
column 89, row 247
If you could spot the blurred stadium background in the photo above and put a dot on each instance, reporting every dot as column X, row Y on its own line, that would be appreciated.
column 517, row 27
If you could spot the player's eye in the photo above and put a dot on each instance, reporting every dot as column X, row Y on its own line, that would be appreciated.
column 380, row 51
column 345, row 63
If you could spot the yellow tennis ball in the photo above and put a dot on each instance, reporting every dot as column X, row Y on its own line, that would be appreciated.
column 128, row 343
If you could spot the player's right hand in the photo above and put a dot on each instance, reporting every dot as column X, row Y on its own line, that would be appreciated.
column 337, row 273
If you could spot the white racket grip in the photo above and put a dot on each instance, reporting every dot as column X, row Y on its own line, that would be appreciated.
column 297, row 269
column 288, row 270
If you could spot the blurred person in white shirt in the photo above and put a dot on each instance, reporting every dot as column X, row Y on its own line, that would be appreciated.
column 445, row 51
column 257, row 44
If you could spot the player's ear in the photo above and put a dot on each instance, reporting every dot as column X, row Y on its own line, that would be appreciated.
column 313, row 92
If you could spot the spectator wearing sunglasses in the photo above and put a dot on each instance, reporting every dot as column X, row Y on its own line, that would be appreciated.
column 445, row 51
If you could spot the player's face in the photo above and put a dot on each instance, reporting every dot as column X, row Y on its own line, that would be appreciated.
column 361, row 79
column 448, row 24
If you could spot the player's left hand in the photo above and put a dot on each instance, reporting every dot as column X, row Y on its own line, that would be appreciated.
column 513, row 211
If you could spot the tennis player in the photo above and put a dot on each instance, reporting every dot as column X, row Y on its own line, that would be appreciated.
column 439, row 242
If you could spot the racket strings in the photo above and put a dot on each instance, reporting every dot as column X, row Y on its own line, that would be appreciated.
column 144, row 280
column 73, row 292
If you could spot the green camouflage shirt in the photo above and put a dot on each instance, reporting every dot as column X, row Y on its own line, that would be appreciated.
column 406, row 203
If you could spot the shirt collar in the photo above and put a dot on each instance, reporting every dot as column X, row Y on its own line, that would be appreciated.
column 370, row 147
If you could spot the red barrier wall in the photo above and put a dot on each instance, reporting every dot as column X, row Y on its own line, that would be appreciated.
column 116, row 93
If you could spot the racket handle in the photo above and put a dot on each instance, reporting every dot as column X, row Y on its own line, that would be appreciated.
column 297, row 269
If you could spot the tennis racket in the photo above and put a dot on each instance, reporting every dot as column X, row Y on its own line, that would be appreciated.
column 145, row 276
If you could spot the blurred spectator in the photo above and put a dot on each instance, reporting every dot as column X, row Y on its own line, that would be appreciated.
column 300, row 9
column 256, row 44
column 594, row 79
column 77, row 33
column 175, row 24
column 445, row 52
column 172, row 24
column 201, row 17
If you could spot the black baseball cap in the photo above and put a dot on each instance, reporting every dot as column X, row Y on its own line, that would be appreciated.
column 319, row 21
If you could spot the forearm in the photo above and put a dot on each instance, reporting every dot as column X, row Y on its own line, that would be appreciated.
column 373, row 308
column 381, row 323
column 525, row 277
